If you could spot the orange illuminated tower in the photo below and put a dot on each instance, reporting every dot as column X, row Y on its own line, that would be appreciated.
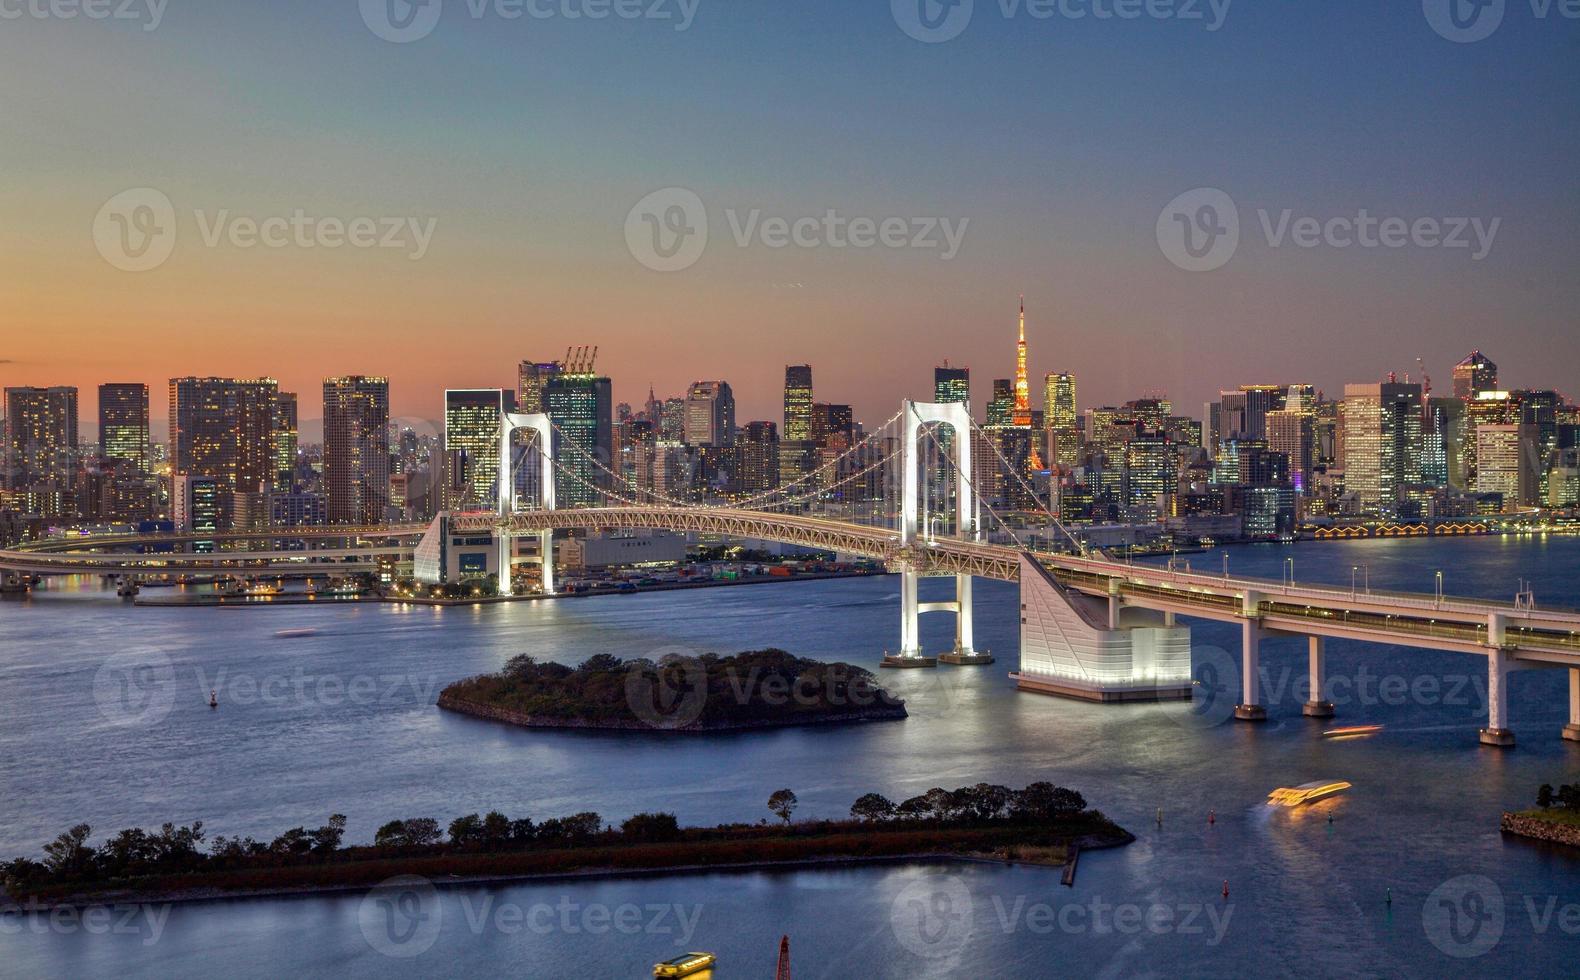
column 1022, row 414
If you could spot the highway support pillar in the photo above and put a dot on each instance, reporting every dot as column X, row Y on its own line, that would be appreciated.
column 1572, row 730
column 1497, row 732
column 1319, row 706
column 1250, row 707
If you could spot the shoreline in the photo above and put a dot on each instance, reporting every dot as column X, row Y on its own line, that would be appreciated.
column 195, row 896
column 505, row 716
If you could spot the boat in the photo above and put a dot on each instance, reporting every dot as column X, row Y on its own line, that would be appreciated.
column 295, row 634
column 1352, row 731
column 1306, row 792
column 685, row 966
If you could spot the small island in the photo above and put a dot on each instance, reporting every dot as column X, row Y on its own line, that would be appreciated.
column 1041, row 824
column 1556, row 818
column 760, row 689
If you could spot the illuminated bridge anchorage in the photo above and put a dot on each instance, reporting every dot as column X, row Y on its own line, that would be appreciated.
column 1091, row 627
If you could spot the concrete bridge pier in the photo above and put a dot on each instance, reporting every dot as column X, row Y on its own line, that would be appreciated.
column 1250, row 707
column 1499, row 664
column 910, row 655
column 1572, row 730
column 965, row 653
column 1318, row 706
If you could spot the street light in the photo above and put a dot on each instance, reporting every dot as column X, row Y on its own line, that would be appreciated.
column 1289, row 566
column 1439, row 589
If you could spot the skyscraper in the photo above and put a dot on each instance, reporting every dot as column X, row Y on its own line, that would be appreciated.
column 798, row 403
column 1475, row 374
column 224, row 428
column 41, row 446
column 286, row 433
column 472, row 419
column 951, row 384
column 1382, row 443
column 580, row 405
column 123, row 424
column 1292, row 431
column 356, row 449
column 710, row 414
column 1060, row 405
column 1506, row 463
column 531, row 377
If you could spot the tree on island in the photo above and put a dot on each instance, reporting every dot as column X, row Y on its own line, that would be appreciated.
column 1544, row 796
column 783, row 803
column 872, row 808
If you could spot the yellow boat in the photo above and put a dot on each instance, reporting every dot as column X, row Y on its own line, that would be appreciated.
column 684, row 966
column 1353, row 731
column 1306, row 792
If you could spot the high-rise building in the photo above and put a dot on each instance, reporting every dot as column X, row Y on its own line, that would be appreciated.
column 951, row 384
column 759, row 462
column 198, row 506
column 123, row 424
column 1292, row 431
column 798, row 403
column 472, row 419
column 581, row 407
column 1382, row 443
column 1001, row 410
column 286, row 433
column 531, row 377
column 833, row 426
column 710, row 414
column 1060, row 410
column 1475, row 374
column 356, row 449
column 224, row 428
column 41, row 447
column 1506, row 463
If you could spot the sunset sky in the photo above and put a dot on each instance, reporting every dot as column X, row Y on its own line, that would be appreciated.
column 527, row 142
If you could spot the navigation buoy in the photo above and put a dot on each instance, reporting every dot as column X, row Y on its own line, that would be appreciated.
column 1212, row 816
column 1389, row 899
column 213, row 699
column 1226, row 888
column 1330, row 820
column 1160, row 816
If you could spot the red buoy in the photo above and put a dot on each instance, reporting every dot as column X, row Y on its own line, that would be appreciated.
column 1226, row 888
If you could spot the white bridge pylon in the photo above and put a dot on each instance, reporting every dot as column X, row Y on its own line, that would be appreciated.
column 510, row 424
column 957, row 416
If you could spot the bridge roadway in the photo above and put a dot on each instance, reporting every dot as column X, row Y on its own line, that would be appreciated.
column 1425, row 621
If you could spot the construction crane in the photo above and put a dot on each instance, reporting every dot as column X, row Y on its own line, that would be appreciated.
column 1426, row 394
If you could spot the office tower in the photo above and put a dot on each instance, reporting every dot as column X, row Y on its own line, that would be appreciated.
column 759, row 457
column 672, row 421
column 1506, row 463
column 198, row 506
column 1539, row 410
column 284, row 439
column 951, row 384
column 1292, row 432
column 580, row 404
column 833, row 426
column 1382, row 443
column 41, row 447
column 356, row 449
column 798, row 403
column 710, row 414
column 1487, row 407
column 1001, row 410
column 531, row 377
column 224, row 428
column 472, row 420
column 1060, row 410
column 123, row 424
column 1474, row 375
column 1150, row 472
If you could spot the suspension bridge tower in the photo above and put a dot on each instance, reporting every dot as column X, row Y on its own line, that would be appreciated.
column 915, row 532
column 543, row 429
